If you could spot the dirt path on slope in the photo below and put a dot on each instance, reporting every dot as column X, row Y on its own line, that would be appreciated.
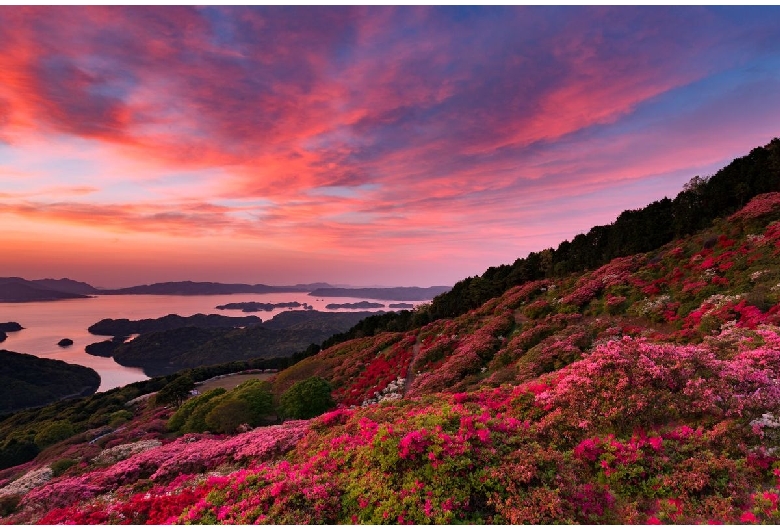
column 410, row 374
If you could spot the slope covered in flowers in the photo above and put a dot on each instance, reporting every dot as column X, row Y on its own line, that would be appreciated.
column 645, row 391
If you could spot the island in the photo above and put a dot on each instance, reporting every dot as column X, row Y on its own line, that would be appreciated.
column 3, row 336
column 401, row 305
column 253, row 307
column 63, row 343
column 124, row 327
column 356, row 305
column 10, row 326
column 165, row 352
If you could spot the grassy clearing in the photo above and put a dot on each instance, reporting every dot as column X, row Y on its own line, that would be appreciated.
column 230, row 382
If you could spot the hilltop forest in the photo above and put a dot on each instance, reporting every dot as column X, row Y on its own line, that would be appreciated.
column 629, row 376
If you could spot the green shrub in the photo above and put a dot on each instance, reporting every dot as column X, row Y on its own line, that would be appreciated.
column 307, row 399
column 61, row 466
column 228, row 415
column 54, row 432
column 120, row 417
column 180, row 417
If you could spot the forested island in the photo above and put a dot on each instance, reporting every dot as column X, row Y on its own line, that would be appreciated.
column 28, row 381
column 356, row 305
column 252, row 307
column 124, row 327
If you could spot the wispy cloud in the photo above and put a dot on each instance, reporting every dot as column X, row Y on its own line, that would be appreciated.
column 413, row 132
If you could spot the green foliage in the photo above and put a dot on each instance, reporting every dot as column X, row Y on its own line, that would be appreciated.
column 61, row 466
column 175, row 392
column 307, row 399
column 53, row 433
column 196, row 422
column 221, row 411
column 180, row 417
column 17, row 451
column 259, row 399
column 120, row 417
column 29, row 381
column 228, row 415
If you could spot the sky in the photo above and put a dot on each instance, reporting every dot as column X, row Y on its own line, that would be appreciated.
column 363, row 146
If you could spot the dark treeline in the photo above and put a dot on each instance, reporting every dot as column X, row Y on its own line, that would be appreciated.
column 634, row 231
column 700, row 202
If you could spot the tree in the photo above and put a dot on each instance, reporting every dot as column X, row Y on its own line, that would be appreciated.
column 181, row 416
column 259, row 399
column 307, row 399
column 175, row 392
column 228, row 415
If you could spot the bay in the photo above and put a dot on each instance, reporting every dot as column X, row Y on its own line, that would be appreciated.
column 46, row 323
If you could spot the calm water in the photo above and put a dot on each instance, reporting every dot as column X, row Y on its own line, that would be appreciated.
column 46, row 323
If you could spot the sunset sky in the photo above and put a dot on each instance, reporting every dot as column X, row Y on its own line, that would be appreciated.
column 368, row 146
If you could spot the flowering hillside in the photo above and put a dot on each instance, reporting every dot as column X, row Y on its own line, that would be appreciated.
column 645, row 391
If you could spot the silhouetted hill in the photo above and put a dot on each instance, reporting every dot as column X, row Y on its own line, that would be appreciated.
column 65, row 285
column 356, row 305
column 28, row 381
column 208, row 288
column 20, row 290
column 164, row 352
column 383, row 293
column 125, row 327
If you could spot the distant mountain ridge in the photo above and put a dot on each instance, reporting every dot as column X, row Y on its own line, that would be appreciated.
column 206, row 288
column 16, row 289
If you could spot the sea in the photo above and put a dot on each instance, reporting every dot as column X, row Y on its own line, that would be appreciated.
column 46, row 323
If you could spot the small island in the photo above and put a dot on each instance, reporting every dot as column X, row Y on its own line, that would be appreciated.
column 401, row 305
column 63, row 343
column 3, row 336
column 253, row 307
column 357, row 305
column 10, row 326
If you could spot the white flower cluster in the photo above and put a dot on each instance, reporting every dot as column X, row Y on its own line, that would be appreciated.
column 32, row 479
column 758, row 239
column 767, row 419
column 756, row 275
column 719, row 300
column 766, row 426
column 709, row 273
column 645, row 307
column 121, row 452
column 391, row 392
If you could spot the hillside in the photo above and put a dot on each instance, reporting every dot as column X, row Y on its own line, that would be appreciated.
column 28, row 381
column 643, row 389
